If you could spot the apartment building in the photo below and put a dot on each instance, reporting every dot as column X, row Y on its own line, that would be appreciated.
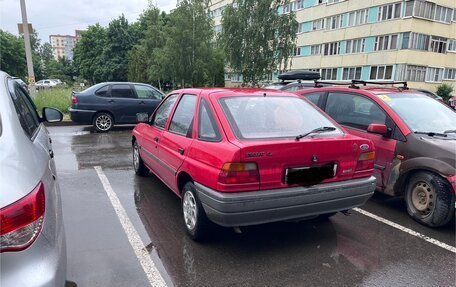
column 63, row 45
column 412, row 41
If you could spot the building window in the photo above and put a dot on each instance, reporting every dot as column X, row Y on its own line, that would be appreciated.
column 381, row 73
column 297, row 51
column 434, row 74
column 355, row 46
column 332, row 48
column 449, row 74
column 318, row 24
column 419, row 41
column 217, row 29
column 415, row 73
column 315, row 50
column 351, row 73
column 357, row 18
column 390, row 11
column 334, row 22
column 438, row 44
column 428, row 10
column 451, row 47
column 386, row 42
column 329, row 74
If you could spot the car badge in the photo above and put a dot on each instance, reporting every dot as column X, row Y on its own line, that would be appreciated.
column 364, row 147
column 314, row 158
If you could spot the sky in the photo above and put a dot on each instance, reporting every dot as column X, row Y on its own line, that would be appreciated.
column 50, row 17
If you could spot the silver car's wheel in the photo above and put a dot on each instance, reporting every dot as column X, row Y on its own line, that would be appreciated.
column 103, row 122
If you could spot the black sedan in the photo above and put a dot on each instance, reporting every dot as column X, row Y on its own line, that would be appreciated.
column 106, row 104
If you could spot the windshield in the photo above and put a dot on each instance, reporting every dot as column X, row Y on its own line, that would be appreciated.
column 258, row 117
column 421, row 113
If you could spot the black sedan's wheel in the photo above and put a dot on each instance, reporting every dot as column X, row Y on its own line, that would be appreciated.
column 429, row 199
column 196, row 222
column 138, row 164
column 103, row 122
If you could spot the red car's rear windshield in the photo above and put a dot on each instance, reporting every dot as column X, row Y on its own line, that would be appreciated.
column 258, row 117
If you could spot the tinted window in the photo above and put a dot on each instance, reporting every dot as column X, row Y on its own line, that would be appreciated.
column 207, row 129
column 314, row 97
column 121, row 91
column 163, row 111
column 102, row 92
column 253, row 117
column 183, row 116
column 354, row 110
column 25, row 110
column 145, row 92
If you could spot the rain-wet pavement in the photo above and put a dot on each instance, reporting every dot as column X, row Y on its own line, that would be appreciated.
column 350, row 250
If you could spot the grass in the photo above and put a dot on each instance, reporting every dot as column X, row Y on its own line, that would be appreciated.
column 59, row 98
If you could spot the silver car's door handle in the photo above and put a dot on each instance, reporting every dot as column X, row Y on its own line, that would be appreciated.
column 51, row 153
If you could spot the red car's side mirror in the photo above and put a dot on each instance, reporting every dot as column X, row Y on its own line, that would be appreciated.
column 377, row 129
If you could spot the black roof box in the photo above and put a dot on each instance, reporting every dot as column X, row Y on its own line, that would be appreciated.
column 299, row 75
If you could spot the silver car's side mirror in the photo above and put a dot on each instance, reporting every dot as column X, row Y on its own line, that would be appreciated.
column 51, row 115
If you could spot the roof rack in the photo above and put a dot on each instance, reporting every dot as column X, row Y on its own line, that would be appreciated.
column 364, row 83
column 319, row 84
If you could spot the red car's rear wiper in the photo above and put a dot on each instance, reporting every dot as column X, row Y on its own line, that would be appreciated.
column 314, row 131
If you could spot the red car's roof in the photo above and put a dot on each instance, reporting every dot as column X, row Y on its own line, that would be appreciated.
column 235, row 91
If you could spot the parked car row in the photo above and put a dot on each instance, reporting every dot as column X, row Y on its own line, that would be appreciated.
column 48, row 83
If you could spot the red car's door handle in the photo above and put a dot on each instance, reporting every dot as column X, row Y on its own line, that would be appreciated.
column 155, row 139
column 181, row 151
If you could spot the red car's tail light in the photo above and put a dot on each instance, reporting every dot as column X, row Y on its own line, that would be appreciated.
column 22, row 220
column 366, row 161
column 234, row 173
column 74, row 99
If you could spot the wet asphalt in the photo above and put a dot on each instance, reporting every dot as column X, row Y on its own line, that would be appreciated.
column 350, row 250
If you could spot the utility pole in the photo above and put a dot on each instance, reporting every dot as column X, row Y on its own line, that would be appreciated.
column 28, row 50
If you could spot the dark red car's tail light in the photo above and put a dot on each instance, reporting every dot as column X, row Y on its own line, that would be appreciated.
column 235, row 173
column 22, row 220
column 366, row 161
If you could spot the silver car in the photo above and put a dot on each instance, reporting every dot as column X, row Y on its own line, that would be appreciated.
column 32, row 238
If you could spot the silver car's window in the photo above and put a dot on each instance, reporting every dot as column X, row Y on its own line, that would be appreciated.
column 258, row 117
column 25, row 111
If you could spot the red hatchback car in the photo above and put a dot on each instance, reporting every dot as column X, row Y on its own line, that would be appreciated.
column 415, row 140
column 241, row 157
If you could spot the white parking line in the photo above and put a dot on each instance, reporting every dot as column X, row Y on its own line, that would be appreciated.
column 153, row 275
column 407, row 230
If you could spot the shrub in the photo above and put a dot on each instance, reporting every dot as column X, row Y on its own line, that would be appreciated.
column 444, row 91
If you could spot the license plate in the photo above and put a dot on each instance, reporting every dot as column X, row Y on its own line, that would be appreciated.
column 310, row 175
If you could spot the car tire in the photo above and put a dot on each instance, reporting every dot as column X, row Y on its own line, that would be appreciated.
column 103, row 122
column 196, row 222
column 429, row 199
column 138, row 164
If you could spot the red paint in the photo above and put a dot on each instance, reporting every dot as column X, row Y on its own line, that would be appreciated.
column 225, row 165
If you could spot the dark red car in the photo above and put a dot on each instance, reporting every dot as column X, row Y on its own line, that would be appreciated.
column 241, row 157
column 415, row 141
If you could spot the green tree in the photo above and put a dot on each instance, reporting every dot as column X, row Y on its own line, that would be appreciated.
column 88, row 53
column 444, row 91
column 46, row 52
column 121, row 37
column 256, row 39
column 12, row 55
